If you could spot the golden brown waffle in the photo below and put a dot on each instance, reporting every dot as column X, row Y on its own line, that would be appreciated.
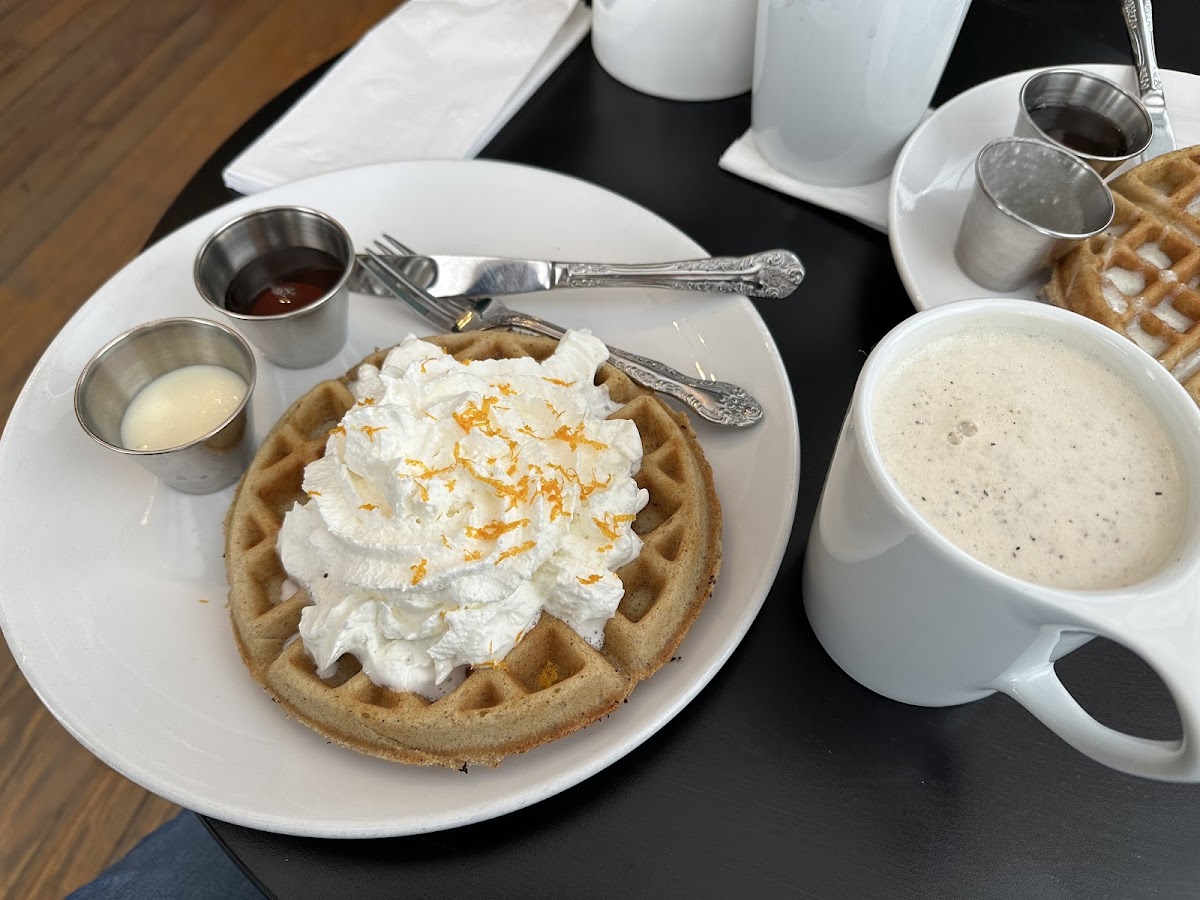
column 552, row 682
column 1142, row 276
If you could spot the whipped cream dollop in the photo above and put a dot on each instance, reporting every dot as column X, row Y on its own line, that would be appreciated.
column 457, row 502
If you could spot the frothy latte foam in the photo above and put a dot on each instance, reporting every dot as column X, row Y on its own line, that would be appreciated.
column 1033, row 457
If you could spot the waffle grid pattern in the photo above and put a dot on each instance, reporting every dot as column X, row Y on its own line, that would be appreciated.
column 552, row 682
column 1142, row 276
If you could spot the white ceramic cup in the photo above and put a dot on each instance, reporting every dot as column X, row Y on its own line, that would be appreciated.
column 677, row 49
column 838, row 87
column 914, row 618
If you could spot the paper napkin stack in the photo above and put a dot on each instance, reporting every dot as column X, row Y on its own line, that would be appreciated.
column 435, row 80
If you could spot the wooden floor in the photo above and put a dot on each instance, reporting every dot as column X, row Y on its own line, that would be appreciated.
column 107, row 108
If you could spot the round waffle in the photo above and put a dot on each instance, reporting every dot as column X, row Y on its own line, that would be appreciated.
column 552, row 682
column 1141, row 277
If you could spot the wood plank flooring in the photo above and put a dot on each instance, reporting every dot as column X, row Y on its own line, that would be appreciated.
column 106, row 110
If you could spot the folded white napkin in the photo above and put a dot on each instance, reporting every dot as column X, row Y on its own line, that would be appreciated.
column 868, row 203
column 434, row 80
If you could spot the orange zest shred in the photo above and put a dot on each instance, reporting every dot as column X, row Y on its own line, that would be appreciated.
column 492, row 530
column 552, row 490
column 446, row 543
column 477, row 416
column 607, row 528
column 574, row 437
column 586, row 490
column 369, row 507
column 314, row 493
column 370, row 430
column 366, row 401
column 419, row 571
column 554, row 409
column 337, row 429
column 514, row 493
column 607, row 525
column 506, row 390
column 427, row 472
column 515, row 551
column 591, row 579
column 517, row 493
column 450, row 484
column 472, row 555
column 559, row 382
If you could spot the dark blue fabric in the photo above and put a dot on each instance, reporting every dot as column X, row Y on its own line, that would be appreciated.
column 179, row 860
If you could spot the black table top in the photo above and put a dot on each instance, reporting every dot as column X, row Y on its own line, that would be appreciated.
column 784, row 777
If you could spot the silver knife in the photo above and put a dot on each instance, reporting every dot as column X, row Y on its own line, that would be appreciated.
column 773, row 274
column 1139, row 19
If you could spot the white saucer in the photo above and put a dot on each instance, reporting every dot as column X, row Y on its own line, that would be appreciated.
column 934, row 174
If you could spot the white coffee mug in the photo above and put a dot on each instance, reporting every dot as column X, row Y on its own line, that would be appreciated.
column 839, row 86
column 913, row 617
column 677, row 49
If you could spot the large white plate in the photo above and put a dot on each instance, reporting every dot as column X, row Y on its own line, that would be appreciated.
column 112, row 589
column 933, row 176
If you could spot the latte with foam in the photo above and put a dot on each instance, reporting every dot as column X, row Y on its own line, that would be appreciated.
column 1033, row 457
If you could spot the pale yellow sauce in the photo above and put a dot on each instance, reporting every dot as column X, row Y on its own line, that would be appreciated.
column 181, row 406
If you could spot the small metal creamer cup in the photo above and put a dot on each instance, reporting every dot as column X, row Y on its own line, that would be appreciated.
column 300, row 338
column 122, row 367
column 1030, row 204
column 1092, row 95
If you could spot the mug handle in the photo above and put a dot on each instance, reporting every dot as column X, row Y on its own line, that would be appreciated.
column 1171, row 649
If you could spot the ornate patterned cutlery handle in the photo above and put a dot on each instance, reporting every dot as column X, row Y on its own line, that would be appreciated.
column 1139, row 21
column 716, row 401
column 773, row 274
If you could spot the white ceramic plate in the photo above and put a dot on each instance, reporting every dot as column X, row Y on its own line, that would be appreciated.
column 112, row 589
column 933, row 176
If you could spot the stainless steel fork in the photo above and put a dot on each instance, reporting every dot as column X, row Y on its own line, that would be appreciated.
column 716, row 401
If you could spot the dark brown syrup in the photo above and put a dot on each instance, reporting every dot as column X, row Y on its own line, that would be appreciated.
column 283, row 280
column 1081, row 129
